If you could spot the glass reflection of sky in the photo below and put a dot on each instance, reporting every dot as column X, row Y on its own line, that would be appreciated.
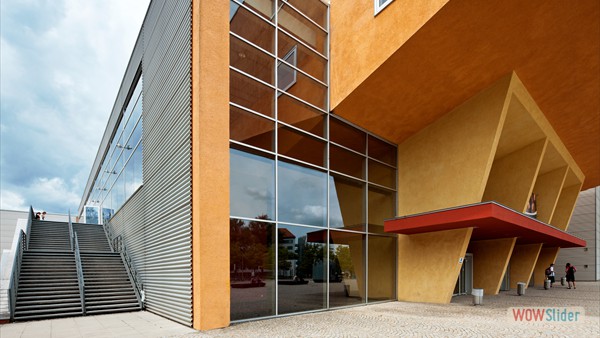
column 302, row 195
column 252, row 185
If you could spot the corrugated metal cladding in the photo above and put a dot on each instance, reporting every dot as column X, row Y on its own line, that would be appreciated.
column 156, row 220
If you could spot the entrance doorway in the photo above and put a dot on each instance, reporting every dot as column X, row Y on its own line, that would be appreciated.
column 464, row 284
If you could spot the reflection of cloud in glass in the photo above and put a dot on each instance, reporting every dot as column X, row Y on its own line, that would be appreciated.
column 302, row 195
column 252, row 184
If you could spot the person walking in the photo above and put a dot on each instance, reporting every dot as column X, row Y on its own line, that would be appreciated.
column 570, row 272
column 551, row 275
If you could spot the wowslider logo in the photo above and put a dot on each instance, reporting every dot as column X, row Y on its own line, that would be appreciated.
column 547, row 314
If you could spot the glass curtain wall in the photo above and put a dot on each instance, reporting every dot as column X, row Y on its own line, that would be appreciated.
column 309, row 191
column 121, row 171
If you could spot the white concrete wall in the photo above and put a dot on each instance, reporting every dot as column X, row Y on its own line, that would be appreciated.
column 585, row 223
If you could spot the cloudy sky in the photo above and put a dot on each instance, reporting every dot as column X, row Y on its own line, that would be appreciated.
column 62, row 62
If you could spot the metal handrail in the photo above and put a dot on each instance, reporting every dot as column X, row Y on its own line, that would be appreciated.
column 119, row 244
column 16, row 272
column 71, row 238
column 80, row 279
column 30, row 218
column 109, row 235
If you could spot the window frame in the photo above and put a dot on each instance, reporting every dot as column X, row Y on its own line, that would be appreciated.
column 380, row 6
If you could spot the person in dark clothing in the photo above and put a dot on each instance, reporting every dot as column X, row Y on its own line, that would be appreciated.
column 570, row 272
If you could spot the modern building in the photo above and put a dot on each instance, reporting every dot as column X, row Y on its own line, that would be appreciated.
column 585, row 223
column 273, row 157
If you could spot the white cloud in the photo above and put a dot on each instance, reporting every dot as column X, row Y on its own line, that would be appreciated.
column 10, row 200
column 62, row 63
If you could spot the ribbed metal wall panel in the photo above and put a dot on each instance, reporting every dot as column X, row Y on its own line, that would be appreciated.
column 156, row 221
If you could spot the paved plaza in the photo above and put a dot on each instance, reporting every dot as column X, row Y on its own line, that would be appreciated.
column 392, row 319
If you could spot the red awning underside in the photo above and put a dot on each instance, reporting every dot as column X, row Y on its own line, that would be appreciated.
column 490, row 221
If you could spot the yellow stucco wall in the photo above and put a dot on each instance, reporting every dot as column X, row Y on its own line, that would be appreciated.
column 381, row 268
column 210, row 165
column 565, row 206
column 361, row 47
column 512, row 176
column 547, row 256
column 428, row 264
column 522, row 263
column 547, row 187
column 447, row 163
column 490, row 259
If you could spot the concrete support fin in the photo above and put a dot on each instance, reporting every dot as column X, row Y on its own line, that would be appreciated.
column 490, row 259
column 210, row 165
column 431, row 261
column 522, row 263
column 547, row 256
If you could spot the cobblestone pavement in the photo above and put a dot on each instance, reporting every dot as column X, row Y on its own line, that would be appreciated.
column 392, row 319
column 459, row 319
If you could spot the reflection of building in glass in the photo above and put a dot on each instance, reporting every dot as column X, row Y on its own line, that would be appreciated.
column 344, row 155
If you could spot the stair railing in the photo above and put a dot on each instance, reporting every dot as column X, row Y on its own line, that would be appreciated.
column 80, row 279
column 109, row 235
column 16, row 272
column 120, row 247
column 30, row 218
column 72, row 239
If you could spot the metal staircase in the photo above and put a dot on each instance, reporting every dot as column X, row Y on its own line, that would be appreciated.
column 70, row 270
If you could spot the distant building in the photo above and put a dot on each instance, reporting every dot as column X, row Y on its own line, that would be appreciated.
column 585, row 223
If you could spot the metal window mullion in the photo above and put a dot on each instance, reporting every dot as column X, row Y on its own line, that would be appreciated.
column 250, row 219
column 248, row 110
column 319, row 168
column 328, row 157
column 276, row 148
column 379, row 185
column 303, row 131
column 383, row 163
column 367, row 221
column 361, row 180
column 241, row 72
column 252, row 147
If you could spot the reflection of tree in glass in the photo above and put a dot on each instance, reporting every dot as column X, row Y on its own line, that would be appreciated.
column 311, row 253
column 342, row 253
column 250, row 249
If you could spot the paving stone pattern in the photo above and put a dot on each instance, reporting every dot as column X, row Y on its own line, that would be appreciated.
column 392, row 319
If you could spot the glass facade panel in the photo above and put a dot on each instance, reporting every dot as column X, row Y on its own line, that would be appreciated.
column 252, row 268
column 316, row 10
column 252, row 186
column 307, row 60
column 309, row 91
column 382, row 205
column 251, row 60
column 302, row 195
column 347, row 203
column 302, row 29
column 251, row 94
column 251, row 27
column 382, row 151
column 302, row 267
column 346, row 268
column 344, row 134
column 301, row 146
column 346, row 162
column 382, row 268
column 300, row 115
column 251, row 129
column 382, row 174
column 265, row 8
